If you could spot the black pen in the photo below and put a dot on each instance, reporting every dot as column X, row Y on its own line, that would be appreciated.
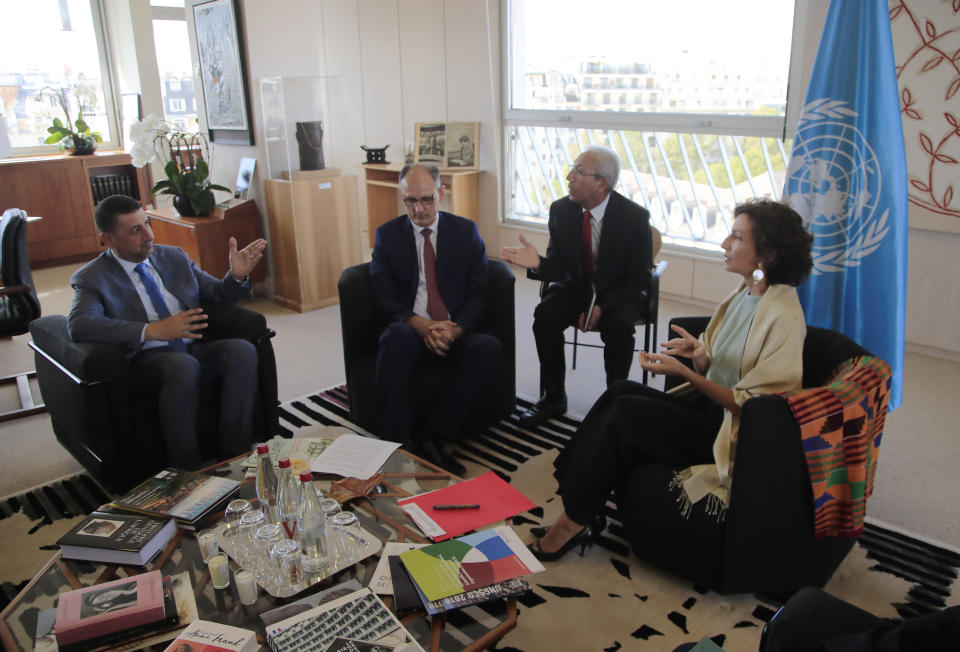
column 468, row 506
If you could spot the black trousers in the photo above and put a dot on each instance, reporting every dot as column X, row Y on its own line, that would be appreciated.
column 559, row 309
column 630, row 423
column 230, row 362
column 476, row 357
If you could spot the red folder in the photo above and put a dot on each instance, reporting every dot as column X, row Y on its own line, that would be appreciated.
column 497, row 500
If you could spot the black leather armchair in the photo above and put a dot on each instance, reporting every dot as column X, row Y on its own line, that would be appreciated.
column 766, row 543
column 361, row 330
column 19, row 304
column 108, row 420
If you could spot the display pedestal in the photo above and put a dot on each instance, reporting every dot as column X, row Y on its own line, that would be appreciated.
column 314, row 234
column 206, row 239
column 383, row 195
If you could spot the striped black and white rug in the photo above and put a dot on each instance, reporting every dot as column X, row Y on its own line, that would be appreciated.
column 631, row 604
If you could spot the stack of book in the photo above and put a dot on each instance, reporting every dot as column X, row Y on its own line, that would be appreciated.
column 114, row 611
column 461, row 572
column 187, row 496
column 116, row 538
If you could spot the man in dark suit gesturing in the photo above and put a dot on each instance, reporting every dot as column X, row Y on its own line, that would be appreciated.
column 598, row 239
column 429, row 280
column 146, row 299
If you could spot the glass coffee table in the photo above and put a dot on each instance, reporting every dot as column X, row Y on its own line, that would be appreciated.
column 379, row 514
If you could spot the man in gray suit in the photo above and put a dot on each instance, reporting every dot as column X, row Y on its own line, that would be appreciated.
column 146, row 299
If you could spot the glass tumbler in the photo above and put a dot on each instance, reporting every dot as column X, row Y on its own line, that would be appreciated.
column 234, row 512
column 250, row 522
column 350, row 543
column 263, row 542
column 285, row 556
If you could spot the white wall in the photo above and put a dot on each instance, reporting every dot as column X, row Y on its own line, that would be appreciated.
column 409, row 61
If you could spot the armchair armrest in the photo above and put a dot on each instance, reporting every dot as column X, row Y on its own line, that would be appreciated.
column 86, row 363
column 9, row 290
column 694, row 326
column 226, row 320
column 500, row 311
column 360, row 324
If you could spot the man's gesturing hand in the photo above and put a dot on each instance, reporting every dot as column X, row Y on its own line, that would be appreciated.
column 181, row 325
column 243, row 261
column 525, row 256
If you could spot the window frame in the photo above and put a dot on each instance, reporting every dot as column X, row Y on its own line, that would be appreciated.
column 109, row 88
column 781, row 127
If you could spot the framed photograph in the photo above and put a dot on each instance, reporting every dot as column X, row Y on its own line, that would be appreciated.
column 431, row 143
column 462, row 140
column 223, row 72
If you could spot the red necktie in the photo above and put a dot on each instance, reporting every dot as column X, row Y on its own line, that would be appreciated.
column 435, row 306
column 587, row 246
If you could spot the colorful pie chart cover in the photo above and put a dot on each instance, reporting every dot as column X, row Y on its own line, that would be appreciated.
column 469, row 562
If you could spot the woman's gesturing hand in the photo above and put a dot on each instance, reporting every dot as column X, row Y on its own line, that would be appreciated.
column 687, row 346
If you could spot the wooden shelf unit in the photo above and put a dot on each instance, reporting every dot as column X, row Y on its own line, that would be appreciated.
column 314, row 236
column 383, row 194
column 206, row 239
column 58, row 188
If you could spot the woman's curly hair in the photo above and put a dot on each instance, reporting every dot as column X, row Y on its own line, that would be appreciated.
column 781, row 240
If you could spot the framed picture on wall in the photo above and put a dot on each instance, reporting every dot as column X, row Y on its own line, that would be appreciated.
column 223, row 72
column 462, row 140
column 431, row 143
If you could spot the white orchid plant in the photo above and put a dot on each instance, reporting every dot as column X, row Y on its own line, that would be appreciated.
column 62, row 133
column 186, row 165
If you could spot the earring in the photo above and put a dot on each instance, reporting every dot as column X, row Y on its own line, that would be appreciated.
column 758, row 274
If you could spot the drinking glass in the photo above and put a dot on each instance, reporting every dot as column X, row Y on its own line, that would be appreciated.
column 219, row 567
column 264, row 539
column 349, row 540
column 250, row 522
column 285, row 555
column 234, row 512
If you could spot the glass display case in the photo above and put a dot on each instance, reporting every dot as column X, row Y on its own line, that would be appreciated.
column 304, row 124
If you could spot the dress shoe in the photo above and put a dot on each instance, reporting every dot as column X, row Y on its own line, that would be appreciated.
column 582, row 539
column 431, row 452
column 543, row 410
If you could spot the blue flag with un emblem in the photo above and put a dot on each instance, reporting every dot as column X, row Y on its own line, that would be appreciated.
column 847, row 177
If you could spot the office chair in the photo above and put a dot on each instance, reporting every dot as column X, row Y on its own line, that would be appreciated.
column 19, row 304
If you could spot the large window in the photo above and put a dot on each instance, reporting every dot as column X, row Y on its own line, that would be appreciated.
column 55, row 44
column 705, row 131
column 176, row 68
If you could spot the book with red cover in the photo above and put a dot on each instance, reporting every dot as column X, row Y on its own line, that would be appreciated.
column 497, row 500
column 110, row 607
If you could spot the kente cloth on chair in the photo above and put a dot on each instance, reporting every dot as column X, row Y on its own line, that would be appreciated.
column 840, row 427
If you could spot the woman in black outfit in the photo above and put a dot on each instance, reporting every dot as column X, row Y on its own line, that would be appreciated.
column 753, row 345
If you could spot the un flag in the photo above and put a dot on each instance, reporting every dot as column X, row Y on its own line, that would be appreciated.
column 847, row 177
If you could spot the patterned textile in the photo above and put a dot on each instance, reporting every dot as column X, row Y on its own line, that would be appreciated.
column 840, row 426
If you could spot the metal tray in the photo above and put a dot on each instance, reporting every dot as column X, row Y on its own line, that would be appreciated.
column 372, row 547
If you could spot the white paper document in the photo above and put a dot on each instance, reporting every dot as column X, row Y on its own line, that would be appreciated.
column 353, row 456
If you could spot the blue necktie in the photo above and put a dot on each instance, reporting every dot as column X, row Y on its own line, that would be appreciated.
column 156, row 298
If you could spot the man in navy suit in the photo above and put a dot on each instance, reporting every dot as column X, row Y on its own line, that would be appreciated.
column 146, row 299
column 429, row 281
column 598, row 239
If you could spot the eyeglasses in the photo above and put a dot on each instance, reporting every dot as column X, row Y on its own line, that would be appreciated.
column 426, row 202
column 577, row 170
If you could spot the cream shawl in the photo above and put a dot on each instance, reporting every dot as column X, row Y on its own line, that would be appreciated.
column 772, row 362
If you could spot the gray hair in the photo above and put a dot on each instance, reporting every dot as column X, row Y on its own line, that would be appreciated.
column 430, row 169
column 608, row 164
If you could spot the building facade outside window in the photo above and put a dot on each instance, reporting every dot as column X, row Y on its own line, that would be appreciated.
column 56, row 44
column 709, row 131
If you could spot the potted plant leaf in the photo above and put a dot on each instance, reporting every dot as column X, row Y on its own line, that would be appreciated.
column 80, row 141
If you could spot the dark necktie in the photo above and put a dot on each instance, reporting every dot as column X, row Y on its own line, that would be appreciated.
column 435, row 306
column 587, row 254
column 156, row 298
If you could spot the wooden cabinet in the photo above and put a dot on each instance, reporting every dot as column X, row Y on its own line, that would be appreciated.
column 314, row 235
column 60, row 189
column 383, row 196
column 206, row 239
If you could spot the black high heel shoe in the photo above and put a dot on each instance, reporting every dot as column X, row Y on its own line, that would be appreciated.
column 597, row 525
column 581, row 539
